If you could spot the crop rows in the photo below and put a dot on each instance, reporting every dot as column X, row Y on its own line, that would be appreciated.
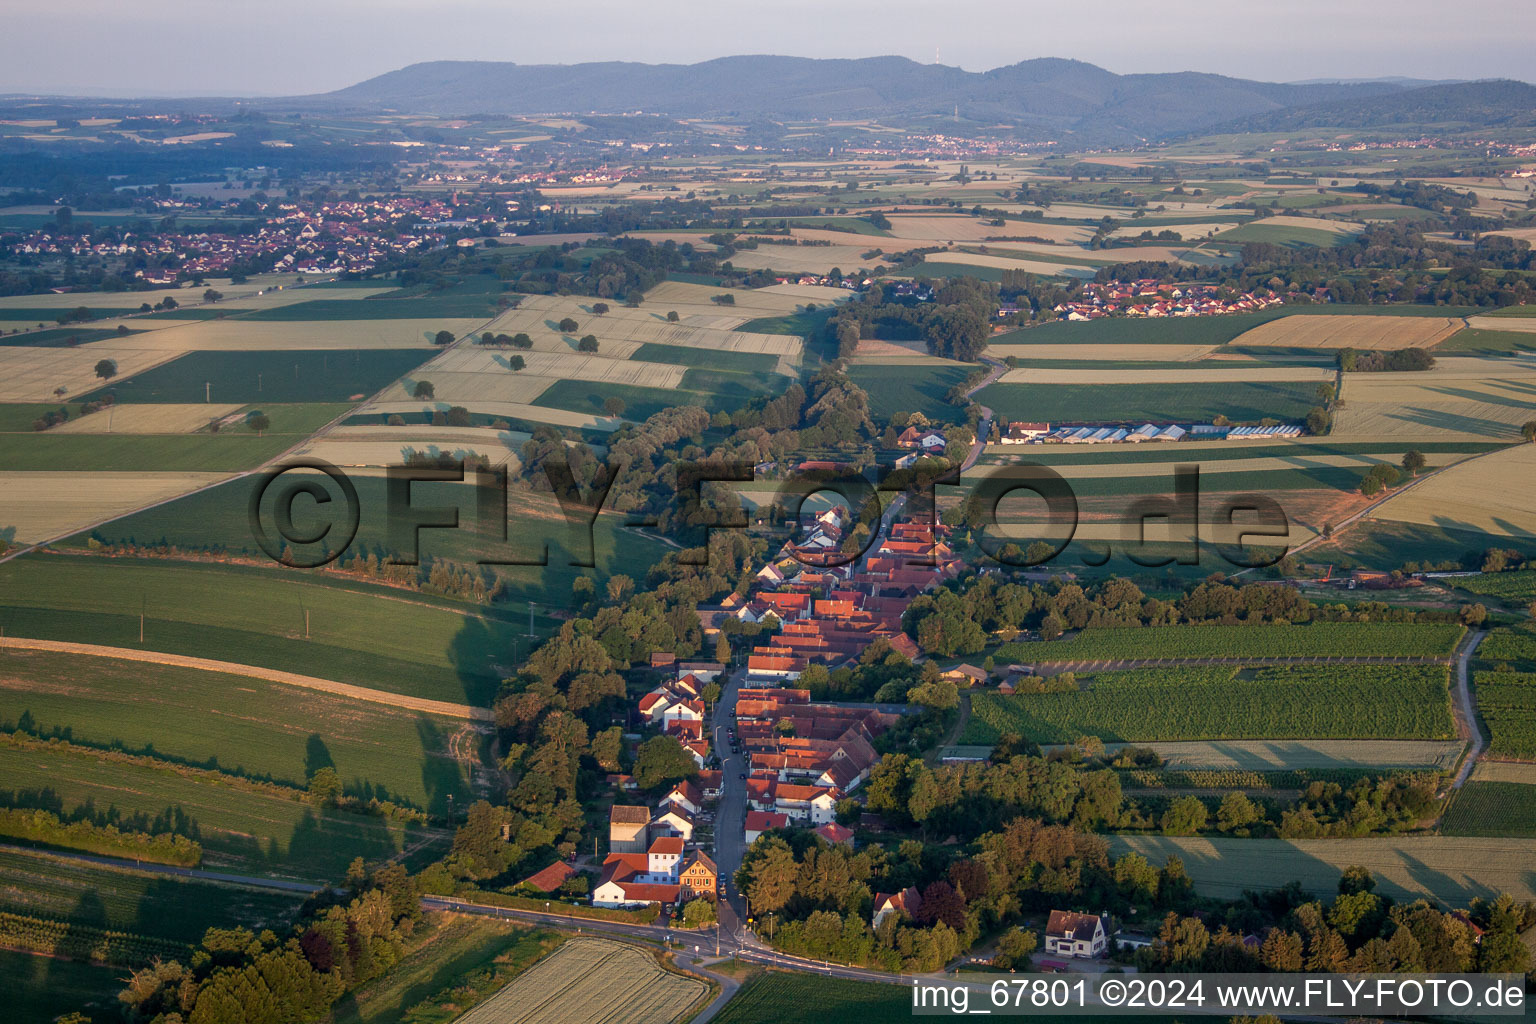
column 1507, row 703
column 1515, row 645
column 1315, row 640
column 1519, row 585
column 1492, row 809
column 1291, row 702
column 84, row 942
column 1248, row 778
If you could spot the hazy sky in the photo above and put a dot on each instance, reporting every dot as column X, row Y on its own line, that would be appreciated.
column 282, row 47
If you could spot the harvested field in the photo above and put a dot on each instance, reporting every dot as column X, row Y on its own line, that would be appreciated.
column 1449, row 869
column 592, row 981
column 1494, row 494
column 1281, row 755
column 1090, row 353
column 509, row 410
column 572, row 366
column 470, row 388
column 907, row 353
column 147, row 419
column 259, row 335
column 771, row 301
column 956, row 228
column 33, row 374
column 1525, row 324
column 1191, row 375
column 1360, row 332
column 1505, row 771
column 1464, row 397
column 805, row 259
column 42, row 505
column 362, row 451
column 972, row 259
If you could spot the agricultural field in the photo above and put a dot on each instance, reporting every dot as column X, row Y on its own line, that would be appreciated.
column 587, row 981
column 48, row 374
column 148, row 419
column 783, row 997
column 367, row 636
column 239, row 829
column 1492, row 809
column 1506, row 702
column 1462, row 396
column 36, row 506
column 40, row 988
column 255, row 376
column 1493, row 495
column 452, row 961
column 236, row 724
column 1450, row 869
column 1358, row 332
column 1312, row 640
column 162, row 906
column 921, row 389
column 1134, row 404
column 255, row 333
column 1172, row 375
column 1227, row 703
column 1305, row 755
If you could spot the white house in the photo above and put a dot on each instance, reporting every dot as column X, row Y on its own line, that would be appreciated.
column 1073, row 934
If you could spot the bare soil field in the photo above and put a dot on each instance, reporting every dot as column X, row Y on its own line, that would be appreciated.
column 46, row 504
column 147, row 419
column 592, row 981
column 1361, row 332
column 1495, row 493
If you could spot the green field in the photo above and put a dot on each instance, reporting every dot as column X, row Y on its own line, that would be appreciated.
column 236, row 724
column 166, row 907
column 1492, row 809
column 1476, row 340
column 687, row 355
column 251, row 832
column 1192, row 330
column 39, row 989
column 640, row 403
column 1284, row 234
column 1518, row 587
column 225, row 452
column 1312, row 640
column 368, row 636
column 1133, row 404
column 377, row 307
column 268, row 376
column 776, row 997
column 1219, row 703
column 921, row 389
column 51, row 314
column 60, row 337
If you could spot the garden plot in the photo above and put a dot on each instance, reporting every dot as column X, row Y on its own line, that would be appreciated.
column 36, row 374
column 266, row 335
column 147, row 419
column 1362, row 332
column 1191, row 375
column 592, row 981
column 1495, row 494
column 42, row 505
column 1459, row 397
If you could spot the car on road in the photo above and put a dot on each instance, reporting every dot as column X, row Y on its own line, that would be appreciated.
column 742, row 775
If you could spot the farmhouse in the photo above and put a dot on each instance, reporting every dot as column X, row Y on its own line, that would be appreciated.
column 1021, row 432
column 964, row 674
column 633, row 879
column 1072, row 934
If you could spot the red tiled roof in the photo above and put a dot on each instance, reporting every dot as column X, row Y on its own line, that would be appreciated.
column 832, row 832
column 762, row 821
column 550, row 878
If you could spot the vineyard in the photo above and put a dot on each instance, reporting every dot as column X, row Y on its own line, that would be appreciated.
column 1492, row 809
column 33, row 885
column 1507, row 703
column 1316, row 640
column 1516, row 586
column 1515, row 645
column 1289, row 702
column 85, row 942
column 587, row 981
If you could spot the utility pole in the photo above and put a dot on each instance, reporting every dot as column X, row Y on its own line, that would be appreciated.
column 142, row 602
column 306, row 623
column 207, row 391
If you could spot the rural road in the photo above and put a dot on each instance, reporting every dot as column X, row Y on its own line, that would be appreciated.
column 398, row 700
column 1466, row 717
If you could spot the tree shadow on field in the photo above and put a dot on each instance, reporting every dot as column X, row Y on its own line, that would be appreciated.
column 316, row 755
column 447, row 789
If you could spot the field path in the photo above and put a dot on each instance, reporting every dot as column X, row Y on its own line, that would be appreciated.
column 1466, row 713
column 398, row 700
